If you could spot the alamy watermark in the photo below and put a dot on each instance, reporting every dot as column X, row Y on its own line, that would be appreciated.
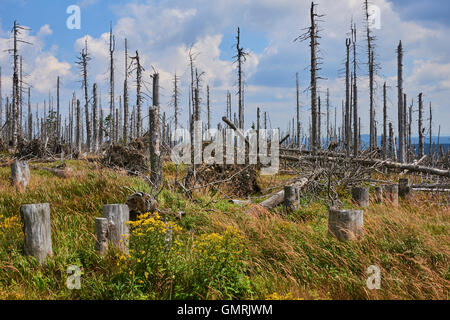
column 74, row 20
column 73, row 281
column 374, row 21
column 213, row 153
column 373, row 282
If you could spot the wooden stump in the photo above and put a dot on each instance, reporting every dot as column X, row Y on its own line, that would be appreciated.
column 378, row 195
column 345, row 224
column 140, row 203
column 101, row 235
column 391, row 193
column 37, row 230
column 117, row 215
column 404, row 188
column 20, row 175
column 289, row 198
column 361, row 196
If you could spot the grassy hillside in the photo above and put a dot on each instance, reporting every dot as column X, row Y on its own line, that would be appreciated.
column 219, row 250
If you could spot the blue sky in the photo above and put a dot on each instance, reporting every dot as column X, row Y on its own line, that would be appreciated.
column 163, row 31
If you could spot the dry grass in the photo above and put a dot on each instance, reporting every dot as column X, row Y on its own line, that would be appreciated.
column 289, row 256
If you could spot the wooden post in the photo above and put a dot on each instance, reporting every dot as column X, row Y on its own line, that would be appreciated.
column 36, row 223
column 117, row 215
column 391, row 193
column 20, row 175
column 361, row 196
column 289, row 198
column 101, row 235
column 345, row 224
column 378, row 195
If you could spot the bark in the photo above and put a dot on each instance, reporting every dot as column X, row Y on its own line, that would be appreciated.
column 345, row 224
column 155, row 153
column 37, row 230
column 117, row 215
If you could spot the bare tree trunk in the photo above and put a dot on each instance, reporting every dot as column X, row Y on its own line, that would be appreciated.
column 347, row 98
column 125, row 97
column 356, row 140
column 298, row 109
column 431, row 131
column 58, row 114
column 401, row 116
column 421, row 129
column 155, row 154
column 240, row 56
column 30, row 117
column 94, row 120
column 78, row 136
column 384, row 144
column 112, row 45
column 15, row 109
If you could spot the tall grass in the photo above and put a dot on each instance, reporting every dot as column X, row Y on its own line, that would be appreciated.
column 222, row 251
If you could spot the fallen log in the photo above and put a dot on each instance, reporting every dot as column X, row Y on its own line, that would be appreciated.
column 278, row 198
column 380, row 163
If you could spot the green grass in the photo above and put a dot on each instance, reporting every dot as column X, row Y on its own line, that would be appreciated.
column 248, row 252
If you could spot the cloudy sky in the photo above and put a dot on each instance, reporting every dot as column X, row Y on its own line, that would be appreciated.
column 164, row 30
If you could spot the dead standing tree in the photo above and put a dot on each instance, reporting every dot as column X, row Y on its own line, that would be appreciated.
column 240, row 59
column 125, row 97
column 401, row 115
column 83, row 60
column 312, row 34
column 112, row 46
column 155, row 140
column 13, row 118
column 139, row 69
column 421, row 129
column 356, row 142
column 370, row 51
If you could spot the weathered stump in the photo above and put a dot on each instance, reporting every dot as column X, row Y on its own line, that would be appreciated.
column 289, row 198
column 378, row 195
column 20, row 175
column 140, row 203
column 345, row 224
column 361, row 196
column 37, row 230
column 391, row 193
column 101, row 235
column 404, row 188
column 117, row 215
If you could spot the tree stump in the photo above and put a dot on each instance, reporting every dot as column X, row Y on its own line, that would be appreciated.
column 361, row 196
column 289, row 198
column 20, row 175
column 404, row 188
column 101, row 235
column 345, row 224
column 37, row 230
column 140, row 203
column 117, row 215
column 378, row 195
column 391, row 193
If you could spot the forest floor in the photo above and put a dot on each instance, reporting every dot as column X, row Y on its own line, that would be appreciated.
column 219, row 250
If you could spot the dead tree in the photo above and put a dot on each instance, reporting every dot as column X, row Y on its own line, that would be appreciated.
column 347, row 98
column 421, row 129
column 240, row 59
column 14, row 114
column 328, row 116
column 370, row 51
column 154, row 124
column 401, row 116
column 83, row 60
column 112, row 46
column 208, row 108
column 313, row 35
column 78, row 125
column 430, row 132
column 384, row 143
column 30, row 117
column 94, row 120
column 139, row 69
column 298, row 109
column 356, row 138
column 125, row 97
column 175, row 97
